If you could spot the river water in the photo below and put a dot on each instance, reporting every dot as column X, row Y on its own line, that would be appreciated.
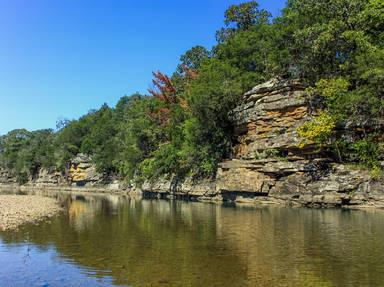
column 108, row 240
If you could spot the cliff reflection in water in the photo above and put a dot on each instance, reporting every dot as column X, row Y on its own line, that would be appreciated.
column 173, row 243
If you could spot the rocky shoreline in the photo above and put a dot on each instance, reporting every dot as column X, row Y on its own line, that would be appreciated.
column 207, row 193
column 16, row 210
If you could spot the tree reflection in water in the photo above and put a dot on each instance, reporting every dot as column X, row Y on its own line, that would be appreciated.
column 173, row 243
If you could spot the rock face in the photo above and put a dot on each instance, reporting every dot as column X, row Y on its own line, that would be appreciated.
column 46, row 177
column 265, row 127
column 267, row 119
column 186, row 189
column 267, row 161
column 83, row 172
column 268, row 165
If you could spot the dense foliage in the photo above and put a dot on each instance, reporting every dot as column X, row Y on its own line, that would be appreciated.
column 182, row 126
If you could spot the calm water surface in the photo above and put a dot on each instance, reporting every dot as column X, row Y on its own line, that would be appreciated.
column 116, row 241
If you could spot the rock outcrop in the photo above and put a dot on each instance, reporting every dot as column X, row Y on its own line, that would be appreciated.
column 83, row 172
column 268, row 165
column 267, row 161
column 47, row 178
column 267, row 119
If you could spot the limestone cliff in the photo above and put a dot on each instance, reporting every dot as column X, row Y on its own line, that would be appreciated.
column 82, row 172
column 266, row 120
column 268, row 165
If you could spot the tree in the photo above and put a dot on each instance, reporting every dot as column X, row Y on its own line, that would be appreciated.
column 62, row 123
column 139, row 135
column 24, row 153
column 245, row 15
column 188, row 69
column 193, row 58
column 164, row 90
column 324, row 36
column 242, row 17
column 184, row 127
column 99, row 141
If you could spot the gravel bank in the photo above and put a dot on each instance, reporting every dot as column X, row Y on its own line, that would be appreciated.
column 19, row 209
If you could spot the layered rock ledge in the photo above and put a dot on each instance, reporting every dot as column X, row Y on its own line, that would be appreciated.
column 267, row 165
column 16, row 210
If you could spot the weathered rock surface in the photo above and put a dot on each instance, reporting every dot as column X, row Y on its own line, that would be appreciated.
column 187, row 188
column 46, row 177
column 267, row 119
column 269, row 163
column 83, row 172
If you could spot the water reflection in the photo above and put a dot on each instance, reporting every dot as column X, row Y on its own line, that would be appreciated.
column 125, row 241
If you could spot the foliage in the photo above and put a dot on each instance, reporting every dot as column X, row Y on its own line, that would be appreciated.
column 166, row 91
column 245, row 15
column 24, row 152
column 99, row 141
column 368, row 152
column 193, row 58
column 340, row 52
column 376, row 172
column 319, row 129
column 139, row 134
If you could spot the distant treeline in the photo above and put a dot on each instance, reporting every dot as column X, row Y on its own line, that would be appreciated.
column 182, row 127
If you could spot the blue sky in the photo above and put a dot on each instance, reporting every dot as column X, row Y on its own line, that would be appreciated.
column 61, row 58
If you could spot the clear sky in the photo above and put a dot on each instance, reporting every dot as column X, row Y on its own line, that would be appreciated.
column 61, row 58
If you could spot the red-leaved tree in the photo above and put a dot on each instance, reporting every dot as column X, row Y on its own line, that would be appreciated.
column 164, row 90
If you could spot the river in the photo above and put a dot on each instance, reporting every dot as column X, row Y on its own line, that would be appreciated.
column 110, row 240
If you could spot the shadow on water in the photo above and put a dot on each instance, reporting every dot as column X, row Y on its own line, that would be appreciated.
column 115, row 240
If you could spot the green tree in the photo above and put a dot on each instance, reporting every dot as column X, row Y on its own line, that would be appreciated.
column 240, row 18
column 245, row 15
column 139, row 134
column 24, row 153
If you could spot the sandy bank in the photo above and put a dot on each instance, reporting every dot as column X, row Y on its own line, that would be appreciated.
column 19, row 209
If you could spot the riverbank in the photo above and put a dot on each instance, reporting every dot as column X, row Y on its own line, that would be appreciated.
column 16, row 210
column 269, row 164
column 370, row 199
